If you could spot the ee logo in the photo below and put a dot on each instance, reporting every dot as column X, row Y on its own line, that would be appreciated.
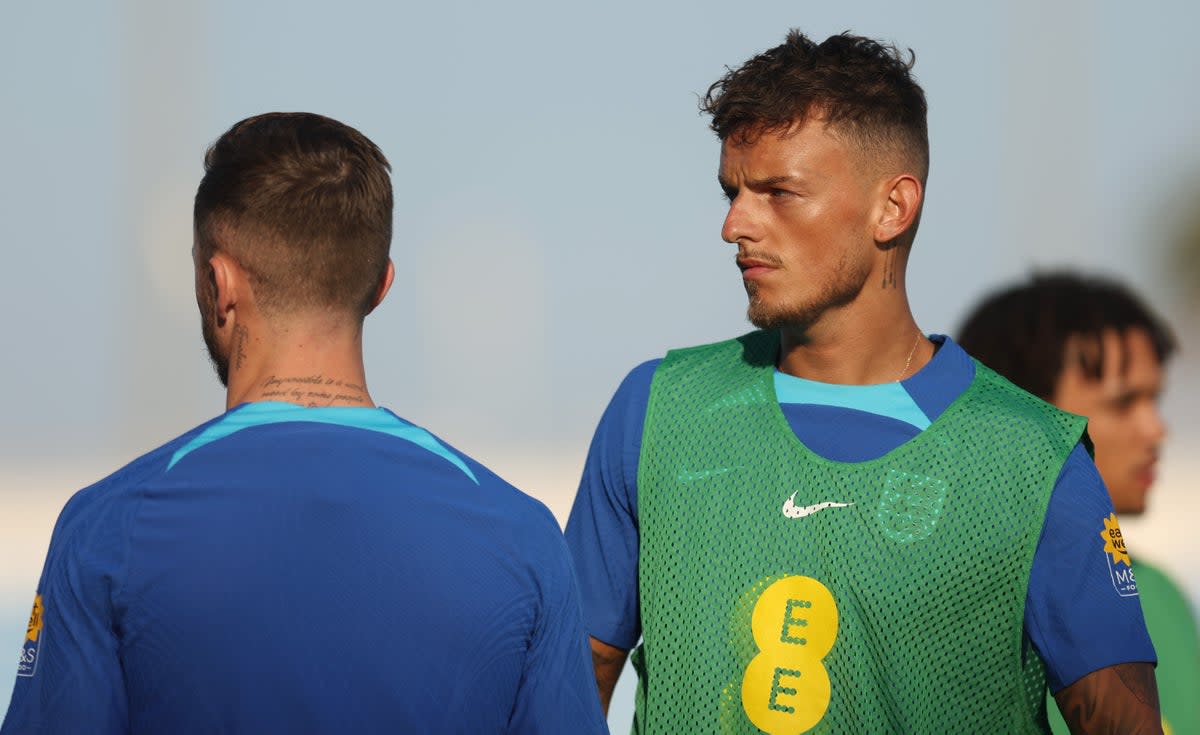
column 785, row 688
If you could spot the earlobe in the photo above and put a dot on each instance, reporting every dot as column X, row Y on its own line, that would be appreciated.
column 900, row 210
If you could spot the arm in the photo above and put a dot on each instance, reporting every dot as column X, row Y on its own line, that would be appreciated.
column 1083, row 614
column 70, row 677
column 602, row 531
column 557, row 693
column 1118, row 699
column 608, row 661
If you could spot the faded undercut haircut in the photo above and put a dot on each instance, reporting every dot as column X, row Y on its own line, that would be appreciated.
column 303, row 203
column 862, row 88
column 1022, row 331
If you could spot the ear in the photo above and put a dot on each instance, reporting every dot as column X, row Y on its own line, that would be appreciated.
column 901, row 207
column 227, row 282
column 385, row 284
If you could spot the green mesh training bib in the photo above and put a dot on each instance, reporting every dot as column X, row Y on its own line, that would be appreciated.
column 785, row 593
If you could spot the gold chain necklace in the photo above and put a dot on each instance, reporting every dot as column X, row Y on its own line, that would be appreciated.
column 908, row 362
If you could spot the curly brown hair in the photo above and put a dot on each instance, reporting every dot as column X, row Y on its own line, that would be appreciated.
column 858, row 86
column 1021, row 331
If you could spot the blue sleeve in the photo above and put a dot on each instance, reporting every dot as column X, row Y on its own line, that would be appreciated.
column 558, row 686
column 1083, row 612
column 602, row 531
column 69, row 677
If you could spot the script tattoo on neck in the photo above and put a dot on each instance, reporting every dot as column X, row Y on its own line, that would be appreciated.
column 240, row 336
column 314, row 390
column 889, row 268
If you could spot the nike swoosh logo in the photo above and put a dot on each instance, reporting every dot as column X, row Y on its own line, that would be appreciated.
column 791, row 510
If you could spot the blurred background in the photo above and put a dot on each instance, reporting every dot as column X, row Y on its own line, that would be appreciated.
column 557, row 213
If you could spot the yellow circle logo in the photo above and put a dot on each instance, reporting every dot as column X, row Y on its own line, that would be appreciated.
column 785, row 688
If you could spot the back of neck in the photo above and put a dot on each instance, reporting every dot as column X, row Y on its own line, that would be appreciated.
column 295, row 366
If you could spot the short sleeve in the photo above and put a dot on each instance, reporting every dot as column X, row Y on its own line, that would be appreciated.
column 558, row 690
column 1083, row 612
column 602, row 531
column 69, row 677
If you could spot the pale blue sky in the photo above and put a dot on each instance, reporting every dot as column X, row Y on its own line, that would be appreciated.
column 557, row 213
column 557, row 216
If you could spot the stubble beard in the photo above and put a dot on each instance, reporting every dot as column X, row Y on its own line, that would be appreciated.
column 793, row 313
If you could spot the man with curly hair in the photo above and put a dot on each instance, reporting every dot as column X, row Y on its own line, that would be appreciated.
column 833, row 523
column 1089, row 345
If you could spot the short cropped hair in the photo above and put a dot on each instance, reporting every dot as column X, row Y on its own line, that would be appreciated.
column 1022, row 331
column 860, row 87
column 304, row 204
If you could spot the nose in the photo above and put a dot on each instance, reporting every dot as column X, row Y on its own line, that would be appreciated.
column 1154, row 425
column 739, row 221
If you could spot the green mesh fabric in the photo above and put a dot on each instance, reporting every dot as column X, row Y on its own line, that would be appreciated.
column 785, row 593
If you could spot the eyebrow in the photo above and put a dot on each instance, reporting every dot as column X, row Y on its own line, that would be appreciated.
column 1138, row 391
column 759, row 183
column 770, row 181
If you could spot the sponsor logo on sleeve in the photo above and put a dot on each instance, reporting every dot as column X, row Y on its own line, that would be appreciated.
column 1117, row 558
column 27, row 663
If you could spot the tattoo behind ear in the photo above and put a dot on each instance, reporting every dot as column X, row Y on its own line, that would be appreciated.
column 240, row 336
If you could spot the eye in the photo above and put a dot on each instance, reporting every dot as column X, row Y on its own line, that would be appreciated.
column 1124, row 402
column 729, row 193
column 781, row 193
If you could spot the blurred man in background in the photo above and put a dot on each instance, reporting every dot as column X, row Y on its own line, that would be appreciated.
column 1090, row 346
column 307, row 561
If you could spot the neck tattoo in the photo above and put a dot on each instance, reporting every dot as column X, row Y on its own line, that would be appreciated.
column 908, row 362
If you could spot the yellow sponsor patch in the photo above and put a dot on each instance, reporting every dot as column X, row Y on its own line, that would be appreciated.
column 35, row 620
column 1114, row 542
column 1117, row 558
column 27, row 663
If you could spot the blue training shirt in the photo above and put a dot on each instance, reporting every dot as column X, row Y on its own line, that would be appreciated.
column 283, row 569
column 1081, row 611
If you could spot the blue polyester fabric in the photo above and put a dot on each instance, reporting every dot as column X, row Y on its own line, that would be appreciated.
column 292, row 570
column 1078, row 616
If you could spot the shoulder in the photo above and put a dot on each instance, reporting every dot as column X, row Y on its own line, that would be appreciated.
column 1013, row 409
column 119, row 489
column 516, row 507
column 94, row 528
column 619, row 431
column 1079, row 497
column 760, row 347
column 1013, row 397
column 485, row 504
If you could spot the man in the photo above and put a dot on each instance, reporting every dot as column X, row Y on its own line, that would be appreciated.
column 830, row 523
column 307, row 561
column 1090, row 346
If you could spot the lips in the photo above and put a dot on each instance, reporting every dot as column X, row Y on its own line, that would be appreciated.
column 755, row 268
column 1147, row 473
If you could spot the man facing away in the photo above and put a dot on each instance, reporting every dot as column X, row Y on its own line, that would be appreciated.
column 1090, row 346
column 306, row 562
column 832, row 524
